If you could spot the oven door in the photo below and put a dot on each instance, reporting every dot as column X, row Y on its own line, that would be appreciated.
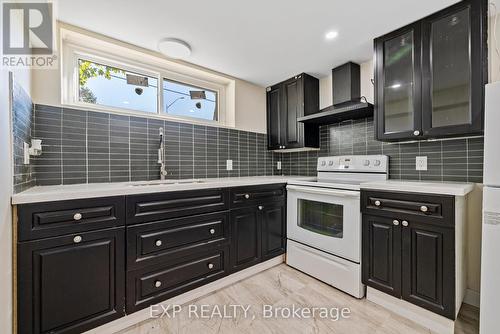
column 326, row 219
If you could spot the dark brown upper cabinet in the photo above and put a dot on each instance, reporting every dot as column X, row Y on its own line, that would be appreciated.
column 430, row 75
column 287, row 101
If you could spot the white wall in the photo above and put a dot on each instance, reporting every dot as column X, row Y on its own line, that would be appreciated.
column 250, row 99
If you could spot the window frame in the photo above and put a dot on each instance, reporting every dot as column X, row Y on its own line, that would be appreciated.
column 70, row 84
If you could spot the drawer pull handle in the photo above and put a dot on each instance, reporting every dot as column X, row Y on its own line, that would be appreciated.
column 210, row 266
column 261, row 207
column 212, row 231
column 157, row 284
column 247, row 196
column 158, row 243
column 77, row 216
column 423, row 208
column 395, row 222
column 377, row 203
column 77, row 239
column 404, row 223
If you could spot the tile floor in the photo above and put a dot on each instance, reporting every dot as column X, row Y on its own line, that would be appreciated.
column 285, row 286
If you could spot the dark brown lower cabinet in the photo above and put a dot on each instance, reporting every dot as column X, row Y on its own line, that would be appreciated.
column 72, row 283
column 245, row 238
column 411, row 259
column 273, row 230
column 382, row 254
column 258, row 233
column 428, row 267
column 155, row 284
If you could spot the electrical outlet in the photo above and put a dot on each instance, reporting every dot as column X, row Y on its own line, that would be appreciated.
column 278, row 165
column 421, row 163
column 229, row 164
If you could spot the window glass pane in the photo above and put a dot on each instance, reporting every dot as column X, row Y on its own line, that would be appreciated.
column 322, row 218
column 451, row 70
column 114, row 87
column 398, row 83
column 189, row 101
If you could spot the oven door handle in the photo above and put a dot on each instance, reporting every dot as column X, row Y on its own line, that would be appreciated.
column 325, row 191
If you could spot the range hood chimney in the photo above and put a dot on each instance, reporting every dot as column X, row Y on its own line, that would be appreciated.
column 346, row 86
column 347, row 99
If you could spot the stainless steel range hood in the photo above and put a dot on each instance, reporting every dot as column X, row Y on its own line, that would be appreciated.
column 347, row 100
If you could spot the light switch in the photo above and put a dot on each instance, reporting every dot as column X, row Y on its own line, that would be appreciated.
column 278, row 165
column 229, row 164
column 421, row 163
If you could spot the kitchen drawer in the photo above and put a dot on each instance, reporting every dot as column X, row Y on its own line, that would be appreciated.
column 48, row 219
column 249, row 196
column 157, row 283
column 404, row 205
column 160, row 206
column 152, row 243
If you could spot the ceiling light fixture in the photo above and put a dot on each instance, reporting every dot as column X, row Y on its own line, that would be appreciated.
column 174, row 48
column 331, row 34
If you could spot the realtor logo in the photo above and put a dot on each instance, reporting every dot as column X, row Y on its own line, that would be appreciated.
column 28, row 34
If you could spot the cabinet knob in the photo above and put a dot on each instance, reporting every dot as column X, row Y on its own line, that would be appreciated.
column 261, row 207
column 210, row 266
column 157, row 284
column 212, row 231
column 416, row 133
column 404, row 223
column 77, row 239
column 247, row 196
column 158, row 243
column 77, row 216
column 377, row 203
column 395, row 222
column 423, row 208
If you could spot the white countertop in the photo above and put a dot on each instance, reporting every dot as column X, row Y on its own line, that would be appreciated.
column 427, row 187
column 92, row 190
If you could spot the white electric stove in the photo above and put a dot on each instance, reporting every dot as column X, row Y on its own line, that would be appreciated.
column 324, row 220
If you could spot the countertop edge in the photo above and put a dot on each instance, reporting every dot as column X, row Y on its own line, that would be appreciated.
column 452, row 189
column 45, row 194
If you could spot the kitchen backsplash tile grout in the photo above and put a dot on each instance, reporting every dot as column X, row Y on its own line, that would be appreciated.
column 124, row 148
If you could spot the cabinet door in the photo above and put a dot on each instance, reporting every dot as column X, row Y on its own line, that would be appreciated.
column 398, row 84
column 293, row 107
column 274, row 117
column 71, row 284
column 453, row 79
column 273, row 229
column 381, row 262
column 245, row 238
column 428, row 267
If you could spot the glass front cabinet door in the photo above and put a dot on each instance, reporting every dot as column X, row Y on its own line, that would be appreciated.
column 453, row 79
column 430, row 75
column 397, row 80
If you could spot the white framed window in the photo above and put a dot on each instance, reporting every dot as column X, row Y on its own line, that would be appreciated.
column 100, row 76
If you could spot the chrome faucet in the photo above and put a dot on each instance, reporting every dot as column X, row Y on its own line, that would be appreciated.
column 161, row 157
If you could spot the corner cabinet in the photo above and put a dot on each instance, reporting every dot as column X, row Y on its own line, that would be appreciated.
column 287, row 101
column 430, row 75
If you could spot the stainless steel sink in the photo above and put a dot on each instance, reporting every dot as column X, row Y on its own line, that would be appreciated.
column 165, row 183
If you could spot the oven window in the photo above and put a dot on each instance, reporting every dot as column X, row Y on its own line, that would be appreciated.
column 320, row 217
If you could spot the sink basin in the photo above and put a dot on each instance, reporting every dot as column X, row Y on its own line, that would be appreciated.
column 164, row 183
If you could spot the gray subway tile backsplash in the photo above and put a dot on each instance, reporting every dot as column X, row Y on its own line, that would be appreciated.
column 89, row 147
column 459, row 159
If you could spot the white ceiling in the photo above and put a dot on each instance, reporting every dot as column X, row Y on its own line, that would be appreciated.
column 262, row 41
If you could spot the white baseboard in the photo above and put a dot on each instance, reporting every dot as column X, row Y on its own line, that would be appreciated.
column 139, row 316
column 436, row 323
column 472, row 297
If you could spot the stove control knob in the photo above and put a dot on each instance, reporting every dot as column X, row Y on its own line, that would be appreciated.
column 366, row 163
column 323, row 163
column 330, row 163
column 376, row 163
